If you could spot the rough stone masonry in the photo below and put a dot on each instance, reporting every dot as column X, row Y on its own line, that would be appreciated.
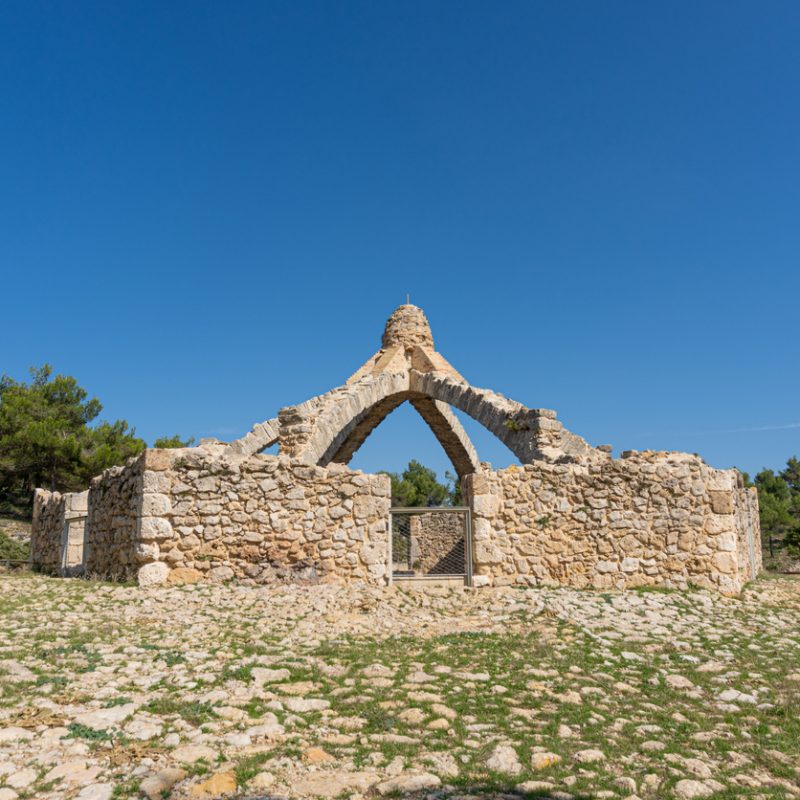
column 569, row 514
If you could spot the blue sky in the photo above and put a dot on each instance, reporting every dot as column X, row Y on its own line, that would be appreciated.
column 208, row 210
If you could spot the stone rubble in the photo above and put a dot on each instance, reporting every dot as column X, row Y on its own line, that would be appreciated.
column 208, row 690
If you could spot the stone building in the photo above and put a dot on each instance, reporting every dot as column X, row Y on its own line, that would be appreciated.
column 568, row 514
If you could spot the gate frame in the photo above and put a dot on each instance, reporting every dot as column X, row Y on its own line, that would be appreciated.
column 65, row 569
column 408, row 510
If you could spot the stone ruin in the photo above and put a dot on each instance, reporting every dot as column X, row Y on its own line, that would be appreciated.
column 569, row 514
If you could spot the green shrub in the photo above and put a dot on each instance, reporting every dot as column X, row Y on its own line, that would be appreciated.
column 12, row 549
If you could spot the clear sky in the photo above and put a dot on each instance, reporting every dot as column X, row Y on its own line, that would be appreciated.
column 208, row 210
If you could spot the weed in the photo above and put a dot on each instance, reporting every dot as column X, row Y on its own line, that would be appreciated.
column 79, row 731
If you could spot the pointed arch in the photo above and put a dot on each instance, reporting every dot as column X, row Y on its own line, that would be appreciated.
column 320, row 430
column 444, row 425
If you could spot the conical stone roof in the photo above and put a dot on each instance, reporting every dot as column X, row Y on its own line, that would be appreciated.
column 407, row 327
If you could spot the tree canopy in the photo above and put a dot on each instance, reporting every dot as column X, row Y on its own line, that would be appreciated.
column 50, row 436
column 418, row 486
column 779, row 504
column 172, row 442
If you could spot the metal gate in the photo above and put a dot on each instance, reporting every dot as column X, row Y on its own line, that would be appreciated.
column 430, row 543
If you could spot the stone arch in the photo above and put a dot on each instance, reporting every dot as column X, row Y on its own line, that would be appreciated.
column 331, row 427
column 260, row 437
column 444, row 425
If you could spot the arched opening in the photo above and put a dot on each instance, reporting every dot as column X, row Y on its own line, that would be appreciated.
column 403, row 436
column 430, row 534
column 437, row 416
column 331, row 427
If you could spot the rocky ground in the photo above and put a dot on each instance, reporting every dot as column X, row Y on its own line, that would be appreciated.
column 203, row 691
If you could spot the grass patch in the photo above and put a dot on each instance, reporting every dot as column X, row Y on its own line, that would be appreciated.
column 12, row 549
column 78, row 731
column 247, row 768
column 195, row 712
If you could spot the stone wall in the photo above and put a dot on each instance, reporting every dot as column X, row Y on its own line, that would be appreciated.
column 58, row 531
column 115, row 499
column 572, row 515
column 261, row 518
column 646, row 519
column 47, row 528
column 748, row 528
column 438, row 543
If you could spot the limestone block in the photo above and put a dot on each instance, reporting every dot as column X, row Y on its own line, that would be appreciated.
column 686, row 541
column 719, row 523
column 209, row 484
column 721, row 480
column 378, row 529
column 481, row 529
column 486, row 553
column 146, row 551
column 479, row 484
column 154, row 528
column 602, row 581
column 77, row 502
column 182, row 575
column 726, row 541
column 382, row 489
column 368, row 507
column 725, row 562
column 155, row 505
column 159, row 460
column 721, row 502
column 355, row 534
column 189, row 542
column 629, row 564
column 221, row 574
column 152, row 574
column 374, row 553
column 485, row 505
column 606, row 566
column 378, row 571
column 729, row 584
column 157, row 482
column 337, row 512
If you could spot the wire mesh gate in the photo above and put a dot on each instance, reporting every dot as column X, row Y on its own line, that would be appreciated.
column 430, row 543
